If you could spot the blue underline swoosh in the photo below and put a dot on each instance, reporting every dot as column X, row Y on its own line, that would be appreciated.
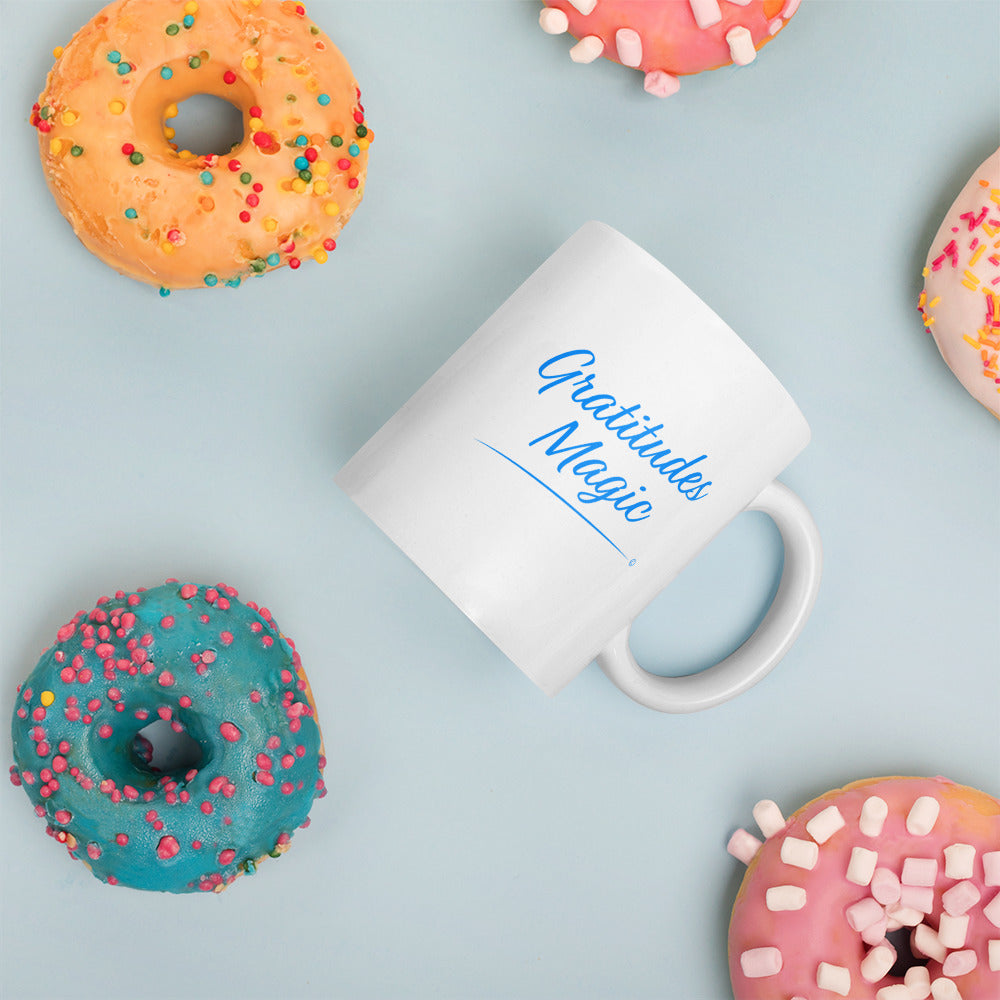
column 546, row 486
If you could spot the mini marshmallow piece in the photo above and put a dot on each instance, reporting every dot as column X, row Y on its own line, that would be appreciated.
column 924, row 941
column 958, row 859
column 863, row 913
column 944, row 989
column 660, row 84
column 585, row 7
column 825, row 824
column 960, row 898
column 628, row 45
column 992, row 910
column 960, row 963
column 800, row 853
column 873, row 814
column 553, row 21
column 898, row 991
column 918, row 981
column 953, row 930
column 885, row 886
column 861, row 867
column 991, row 868
column 834, row 978
column 904, row 916
column 875, row 934
column 741, row 48
column 760, row 962
column 994, row 955
column 877, row 963
column 589, row 48
column 917, row 897
column 768, row 817
column 743, row 846
column 922, row 816
column 785, row 897
column 706, row 12
column 919, row 871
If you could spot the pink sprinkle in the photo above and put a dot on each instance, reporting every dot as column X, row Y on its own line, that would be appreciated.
column 208, row 656
column 166, row 679
column 65, row 632
column 121, row 839
column 226, row 856
column 63, row 816
column 184, row 701
column 287, row 788
column 206, row 807
column 167, row 847
column 229, row 732
column 189, row 589
column 226, row 638
column 263, row 777
column 167, row 621
column 215, row 785
column 104, row 731
column 93, row 851
column 264, row 761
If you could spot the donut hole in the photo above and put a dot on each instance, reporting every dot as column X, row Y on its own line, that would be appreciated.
column 207, row 125
column 905, row 959
column 162, row 749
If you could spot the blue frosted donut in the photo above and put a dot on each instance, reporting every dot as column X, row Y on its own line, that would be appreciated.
column 223, row 678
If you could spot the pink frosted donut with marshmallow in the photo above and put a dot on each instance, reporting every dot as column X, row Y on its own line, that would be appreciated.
column 896, row 898
column 667, row 39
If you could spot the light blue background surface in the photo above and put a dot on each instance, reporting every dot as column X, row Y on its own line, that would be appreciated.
column 480, row 840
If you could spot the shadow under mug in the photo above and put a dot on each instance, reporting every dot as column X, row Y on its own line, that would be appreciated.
column 563, row 466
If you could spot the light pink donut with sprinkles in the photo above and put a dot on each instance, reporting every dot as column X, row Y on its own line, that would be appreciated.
column 960, row 300
column 667, row 39
column 886, row 889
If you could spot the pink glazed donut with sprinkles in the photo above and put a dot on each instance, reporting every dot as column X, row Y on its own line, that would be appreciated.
column 887, row 889
column 173, row 218
column 667, row 39
column 220, row 675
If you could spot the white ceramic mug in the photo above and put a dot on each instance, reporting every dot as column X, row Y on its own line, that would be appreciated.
column 576, row 453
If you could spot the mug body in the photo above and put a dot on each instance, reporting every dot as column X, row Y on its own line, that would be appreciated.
column 576, row 453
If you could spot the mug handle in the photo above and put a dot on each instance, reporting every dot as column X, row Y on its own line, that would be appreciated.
column 743, row 668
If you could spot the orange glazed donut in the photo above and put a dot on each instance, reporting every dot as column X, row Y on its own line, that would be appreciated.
column 886, row 889
column 170, row 217
column 667, row 39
